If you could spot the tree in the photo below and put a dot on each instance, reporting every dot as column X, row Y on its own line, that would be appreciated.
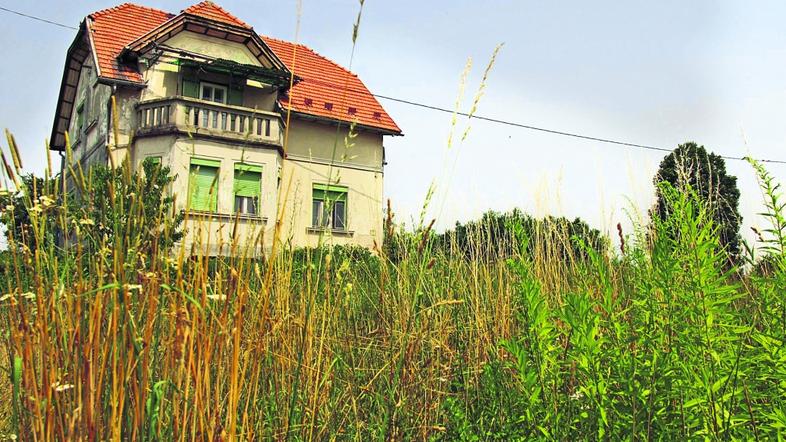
column 103, row 205
column 690, row 166
column 15, row 209
column 492, row 236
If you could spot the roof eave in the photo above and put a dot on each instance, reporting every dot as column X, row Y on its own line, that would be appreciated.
column 170, row 27
column 308, row 116
column 63, row 84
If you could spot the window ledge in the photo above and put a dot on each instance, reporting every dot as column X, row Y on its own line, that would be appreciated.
column 227, row 216
column 334, row 232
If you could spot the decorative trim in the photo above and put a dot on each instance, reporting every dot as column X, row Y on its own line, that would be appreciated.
column 333, row 232
column 217, row 216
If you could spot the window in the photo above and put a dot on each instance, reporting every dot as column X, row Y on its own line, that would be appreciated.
column 329, row 207
column 203, row 185
column 80, row 118
column 248, row 182
column 213, row 92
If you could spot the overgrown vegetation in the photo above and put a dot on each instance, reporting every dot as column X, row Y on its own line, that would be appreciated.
column 514, row 328
column 691, row 168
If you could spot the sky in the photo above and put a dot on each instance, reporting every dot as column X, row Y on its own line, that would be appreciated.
column 655, row 73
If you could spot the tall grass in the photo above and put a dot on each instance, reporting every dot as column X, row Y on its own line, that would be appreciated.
column 106, row 335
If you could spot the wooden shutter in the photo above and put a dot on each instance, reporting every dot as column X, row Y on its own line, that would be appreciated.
column 203, row 185
column 190, row 83
column 248, row 180
column 333, row 200
column 235, row 91
column 235, row 95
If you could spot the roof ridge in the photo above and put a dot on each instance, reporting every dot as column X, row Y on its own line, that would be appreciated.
column 193, row 9
column 124, row 6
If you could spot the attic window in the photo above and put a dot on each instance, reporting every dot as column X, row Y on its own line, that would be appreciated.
column 377, row 116
column 329, row 106
column 308, row 102
column 352, row 110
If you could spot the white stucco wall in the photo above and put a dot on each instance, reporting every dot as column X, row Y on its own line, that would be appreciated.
column 320, row 142
column 358, row 167
column 176, row 153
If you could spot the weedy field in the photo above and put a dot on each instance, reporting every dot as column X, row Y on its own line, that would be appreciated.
column 112, row 330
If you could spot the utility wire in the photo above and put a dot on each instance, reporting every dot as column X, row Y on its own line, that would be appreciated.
column 33, row 17
column 464, row 114
column 527, row 126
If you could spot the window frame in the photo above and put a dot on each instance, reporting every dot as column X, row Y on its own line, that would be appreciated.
column 80, row 118
column 213, row 86
column 243, row 209
column 325, row 217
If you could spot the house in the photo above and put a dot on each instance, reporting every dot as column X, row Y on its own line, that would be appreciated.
column 247, row 124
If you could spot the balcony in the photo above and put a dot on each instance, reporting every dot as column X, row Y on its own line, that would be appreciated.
column 208, row 119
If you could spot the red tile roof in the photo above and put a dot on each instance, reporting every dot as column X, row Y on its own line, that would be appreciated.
column 111, row 29
column 215, row 12
column 324, row 82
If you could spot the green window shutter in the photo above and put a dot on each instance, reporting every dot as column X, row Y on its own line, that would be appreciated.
column 248, row 167
column 235, row 95
column 203, row 185
column 204, row 162
column 190, row 88
column 322, row 188
column 329, row 196
column 190, row 82
column 247, row 183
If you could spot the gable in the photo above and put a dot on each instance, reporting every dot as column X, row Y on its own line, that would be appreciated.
column 214, row 47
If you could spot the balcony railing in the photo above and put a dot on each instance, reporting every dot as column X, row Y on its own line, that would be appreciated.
column 207, row 118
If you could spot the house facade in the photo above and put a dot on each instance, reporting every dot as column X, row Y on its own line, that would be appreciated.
column 251, row 127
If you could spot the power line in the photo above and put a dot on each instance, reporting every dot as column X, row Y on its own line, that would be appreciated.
column 450, row 111
column 528, row 126
column 33, row 17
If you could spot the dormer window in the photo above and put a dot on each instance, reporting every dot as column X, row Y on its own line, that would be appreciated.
column 213, row 92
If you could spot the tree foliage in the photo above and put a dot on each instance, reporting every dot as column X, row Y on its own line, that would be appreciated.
column 100, row 203
column 690, row 166
column 492, row 236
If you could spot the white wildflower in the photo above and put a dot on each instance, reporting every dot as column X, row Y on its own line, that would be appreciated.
column 59, row 388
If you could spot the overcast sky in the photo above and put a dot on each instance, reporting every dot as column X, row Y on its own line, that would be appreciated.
column 656, row 73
